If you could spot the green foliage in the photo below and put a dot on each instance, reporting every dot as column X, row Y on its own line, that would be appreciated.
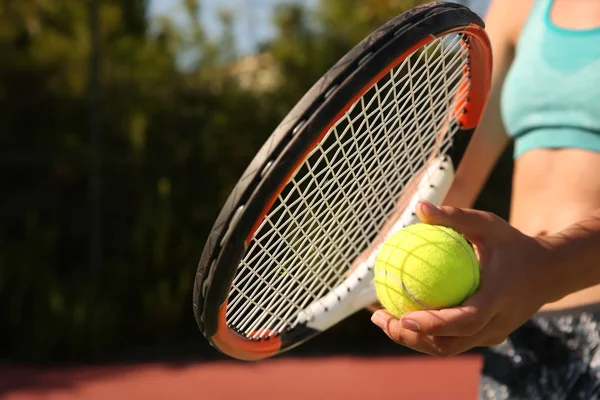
column 175, row 139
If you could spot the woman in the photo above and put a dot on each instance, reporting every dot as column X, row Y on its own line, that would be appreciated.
column 538, row 307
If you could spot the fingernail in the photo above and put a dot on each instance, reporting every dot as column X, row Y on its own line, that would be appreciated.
column 429, row 208
column 378, row 320
column 410, row 325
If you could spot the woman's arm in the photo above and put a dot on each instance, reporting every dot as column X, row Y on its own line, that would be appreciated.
column 574, row 256
column 489, row 139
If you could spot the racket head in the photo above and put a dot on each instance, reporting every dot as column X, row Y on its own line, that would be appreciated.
column 252, row 331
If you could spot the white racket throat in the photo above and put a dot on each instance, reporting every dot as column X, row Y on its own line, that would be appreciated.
column 358, row 290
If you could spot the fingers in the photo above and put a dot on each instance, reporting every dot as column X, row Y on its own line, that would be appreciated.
column 440, row 346
column 473, row 224
column 433, row 345
column 457, row 321
column 464, row 320
column 393, row 328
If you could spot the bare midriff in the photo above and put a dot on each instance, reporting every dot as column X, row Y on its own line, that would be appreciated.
column 553, row 189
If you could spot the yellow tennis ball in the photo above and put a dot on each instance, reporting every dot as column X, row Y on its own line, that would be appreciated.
column 425, row 266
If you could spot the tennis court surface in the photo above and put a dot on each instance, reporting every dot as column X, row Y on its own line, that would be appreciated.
column 340, row 377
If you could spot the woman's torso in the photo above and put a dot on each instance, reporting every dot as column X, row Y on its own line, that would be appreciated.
column 553, row 189
column 556, row 178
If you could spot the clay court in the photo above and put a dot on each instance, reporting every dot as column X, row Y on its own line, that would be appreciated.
column 343, row 377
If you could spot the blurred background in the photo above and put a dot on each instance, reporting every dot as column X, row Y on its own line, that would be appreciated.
column 123, row 127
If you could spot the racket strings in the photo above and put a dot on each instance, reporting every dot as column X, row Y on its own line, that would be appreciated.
column 351, row 140
column 338, row 199
column 327, row 173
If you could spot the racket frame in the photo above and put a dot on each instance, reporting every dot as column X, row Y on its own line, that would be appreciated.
column 293, row 139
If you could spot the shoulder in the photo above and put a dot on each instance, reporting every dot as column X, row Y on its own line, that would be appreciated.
column 505, row 20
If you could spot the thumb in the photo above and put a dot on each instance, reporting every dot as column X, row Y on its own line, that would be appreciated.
column 473, row 224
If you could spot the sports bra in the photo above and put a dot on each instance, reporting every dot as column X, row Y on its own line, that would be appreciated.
column 551, row 94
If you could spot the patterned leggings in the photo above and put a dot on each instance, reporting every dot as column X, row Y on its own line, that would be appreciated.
column 550, row 357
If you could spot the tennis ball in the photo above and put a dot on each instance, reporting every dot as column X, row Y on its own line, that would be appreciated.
column 425, row 266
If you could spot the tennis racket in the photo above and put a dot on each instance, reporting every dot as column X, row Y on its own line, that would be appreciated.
column 292, row 251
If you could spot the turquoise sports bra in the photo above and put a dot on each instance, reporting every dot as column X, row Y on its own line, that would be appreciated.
column 551, row 95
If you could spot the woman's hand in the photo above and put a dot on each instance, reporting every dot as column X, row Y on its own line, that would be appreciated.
column 513, row 287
